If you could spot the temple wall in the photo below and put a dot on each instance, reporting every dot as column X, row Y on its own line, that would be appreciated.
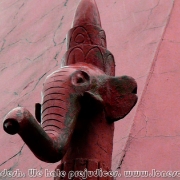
column 154, row 140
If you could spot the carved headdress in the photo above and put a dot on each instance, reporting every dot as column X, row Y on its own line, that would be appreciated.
column 86, row 40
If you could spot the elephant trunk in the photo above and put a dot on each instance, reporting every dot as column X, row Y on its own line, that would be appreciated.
column 21, row 121
column 60, row 109
column 46, row 146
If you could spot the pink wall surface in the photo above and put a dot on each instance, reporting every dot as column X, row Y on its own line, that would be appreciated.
column 143, row 35
column 154, row 140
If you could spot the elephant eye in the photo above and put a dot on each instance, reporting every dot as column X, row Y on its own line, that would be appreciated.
column 79, row 78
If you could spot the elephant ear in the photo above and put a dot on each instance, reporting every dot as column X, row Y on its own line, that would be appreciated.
column 119, row 97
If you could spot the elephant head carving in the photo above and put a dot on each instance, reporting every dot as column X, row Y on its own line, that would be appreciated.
column 61, row 104
column 86, row 74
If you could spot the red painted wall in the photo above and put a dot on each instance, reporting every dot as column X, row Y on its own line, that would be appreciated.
column 154, row 138
column 142, row 35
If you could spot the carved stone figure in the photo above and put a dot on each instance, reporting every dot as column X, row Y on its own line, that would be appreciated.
column 80, row 101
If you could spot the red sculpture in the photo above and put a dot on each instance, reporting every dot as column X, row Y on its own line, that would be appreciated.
column 80, row 102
